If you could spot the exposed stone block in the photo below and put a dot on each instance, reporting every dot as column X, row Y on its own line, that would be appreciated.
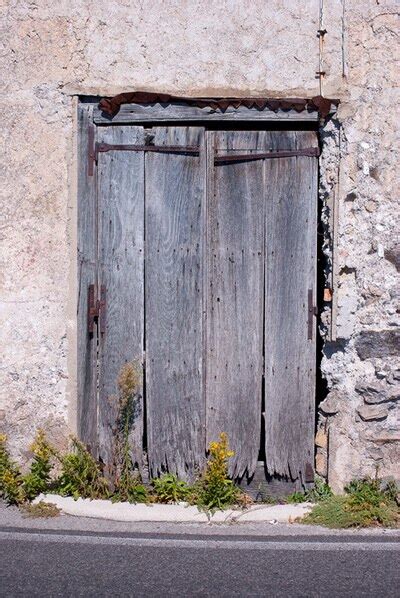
column 386, row 437
column 332, row 404
column 321, row 464
column 321, row 439
column 393, row 256
column 378, row 392
column 378, row 343
column 373, row 412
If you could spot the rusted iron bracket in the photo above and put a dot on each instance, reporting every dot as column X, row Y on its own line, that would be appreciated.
column 91, row 148
column 163, row 149
column 309, row 151
column 167, row 149
column 96, row 309
column 312, row 311
column 96, row 148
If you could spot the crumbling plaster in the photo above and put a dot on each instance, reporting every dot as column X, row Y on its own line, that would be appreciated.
column 54, row 51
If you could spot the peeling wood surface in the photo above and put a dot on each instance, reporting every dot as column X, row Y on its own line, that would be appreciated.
column 207, row 268
column 87, row 344
column 174, row 203
column 290, row 270
column 134, row 113
column 121, row 265
column 235, row 283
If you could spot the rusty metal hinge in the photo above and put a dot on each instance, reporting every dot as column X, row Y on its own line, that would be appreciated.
column 312, row 311
column 96, row 148
column 96, row 309
column 91, row 149
column 100, row 148
column 165, row 149
column 308, row 151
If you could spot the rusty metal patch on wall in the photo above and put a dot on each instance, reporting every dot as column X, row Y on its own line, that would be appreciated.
column 323, row 106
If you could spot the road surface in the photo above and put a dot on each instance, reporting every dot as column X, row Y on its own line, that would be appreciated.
column 54, row 562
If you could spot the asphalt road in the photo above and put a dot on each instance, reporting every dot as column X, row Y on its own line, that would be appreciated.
column 56, row 563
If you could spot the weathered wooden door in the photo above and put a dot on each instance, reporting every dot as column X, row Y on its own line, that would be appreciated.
column 201, row 245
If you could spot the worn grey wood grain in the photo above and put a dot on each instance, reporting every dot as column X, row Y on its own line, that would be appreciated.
column 175, row 406
column 291, row 225
column 134, row 113
column 235, row 282
column 121, row 269
column 86, row 344
column 225, row 281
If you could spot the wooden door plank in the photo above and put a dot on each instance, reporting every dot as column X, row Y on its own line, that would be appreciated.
column 87, row 273
column 291, row 225
column 173, row 289
column 135, row 113
column 121, row 256
column 235, row 280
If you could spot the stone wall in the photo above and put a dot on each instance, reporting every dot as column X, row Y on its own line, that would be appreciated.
column 54, row 51
column 359, row 424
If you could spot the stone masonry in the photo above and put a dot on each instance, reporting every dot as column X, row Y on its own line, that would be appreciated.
column 54, row 52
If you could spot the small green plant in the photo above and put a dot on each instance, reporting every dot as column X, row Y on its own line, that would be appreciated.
column 81, row 475
column 215, row 489
column 364, row 504
column 267, row 499
column 40, row 509
column 169, row 489
column 11, row 481
column 320, row 492
column 38, row 478
column 134, row 493
column 128, row 486
column 367, row 490
column 296, row 497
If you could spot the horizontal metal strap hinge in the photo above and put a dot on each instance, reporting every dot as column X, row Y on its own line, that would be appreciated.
column 167, row 149
column 96, row 309
column 309, row 151
column 96, row 148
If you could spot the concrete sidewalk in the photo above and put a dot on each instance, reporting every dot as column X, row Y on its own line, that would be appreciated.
column 174, row 513
column 13, row 519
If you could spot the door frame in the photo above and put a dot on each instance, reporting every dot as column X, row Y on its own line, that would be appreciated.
column 90, row 118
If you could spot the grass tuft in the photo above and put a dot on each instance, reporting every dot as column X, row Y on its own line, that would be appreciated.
column 365, row 504
column 40, row 509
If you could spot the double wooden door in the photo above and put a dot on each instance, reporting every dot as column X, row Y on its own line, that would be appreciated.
column 204, row 263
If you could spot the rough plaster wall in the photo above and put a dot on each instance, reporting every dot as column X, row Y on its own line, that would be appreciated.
column 359, row 427
column 55, row 50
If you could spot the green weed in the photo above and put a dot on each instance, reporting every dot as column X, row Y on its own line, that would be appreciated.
column 169, row 489
column 133, row 493
column 11, row 481
column 38, row 479
column 81, row 475
column 320, row 492
column 40, row 509
column 127, row 483
column 364, row 504
column 215, row 489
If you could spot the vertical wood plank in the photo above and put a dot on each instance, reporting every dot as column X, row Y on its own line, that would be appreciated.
column 235, row 298
column 121, row 270
column 86, row 343
column 173, row 288
column 291, row 225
